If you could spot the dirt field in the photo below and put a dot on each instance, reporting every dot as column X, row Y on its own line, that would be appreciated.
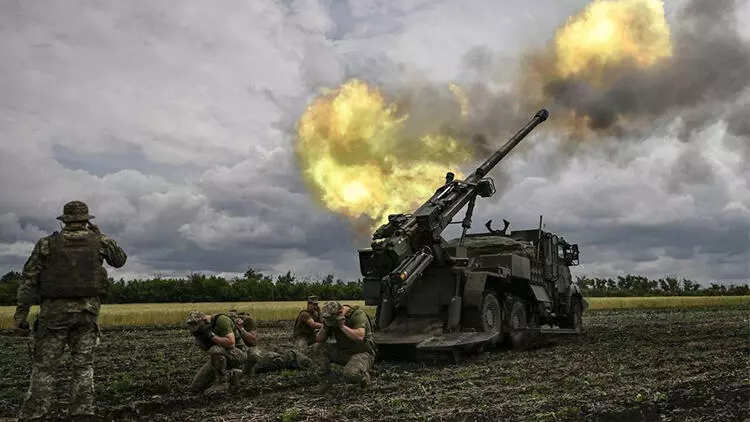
column 669, row 365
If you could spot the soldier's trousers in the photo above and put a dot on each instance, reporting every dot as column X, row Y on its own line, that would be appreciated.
column 356, row 365
column 79, row 331
column 253, row 356
column 274, row 361
column 220, row 361
column 301, row 343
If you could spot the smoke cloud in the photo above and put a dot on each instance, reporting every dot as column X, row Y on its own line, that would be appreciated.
column 702, row 81
column 700, row 84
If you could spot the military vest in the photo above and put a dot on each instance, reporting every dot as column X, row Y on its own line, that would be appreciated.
column 74, row 268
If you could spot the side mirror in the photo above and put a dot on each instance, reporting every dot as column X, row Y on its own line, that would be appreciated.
column 571, row 255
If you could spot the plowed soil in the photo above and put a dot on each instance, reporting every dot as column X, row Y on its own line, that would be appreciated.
column 669, row 365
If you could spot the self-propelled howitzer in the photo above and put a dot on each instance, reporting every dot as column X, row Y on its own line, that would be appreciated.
column 418, row 280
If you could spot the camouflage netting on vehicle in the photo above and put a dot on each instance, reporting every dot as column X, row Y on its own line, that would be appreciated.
column 481, row 245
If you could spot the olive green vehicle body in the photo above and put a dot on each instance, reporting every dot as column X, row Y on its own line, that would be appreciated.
column 499, row 289
column 477, row 289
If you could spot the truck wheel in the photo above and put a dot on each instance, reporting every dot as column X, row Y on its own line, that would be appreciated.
column 518, row 319
column 492, row 319
column 489, row 315
column 576, row 316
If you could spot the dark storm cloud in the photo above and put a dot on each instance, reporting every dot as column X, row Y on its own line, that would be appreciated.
column 690, row 168
column 680, row 238
column 176, row 124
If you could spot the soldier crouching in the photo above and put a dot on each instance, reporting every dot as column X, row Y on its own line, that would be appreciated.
column 221, row 339
column 306, row 325
column 354, row 347
column 248, row 329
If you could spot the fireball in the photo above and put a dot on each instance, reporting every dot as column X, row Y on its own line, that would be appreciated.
column 359, row 161
column 609, row 34
column 355, row 155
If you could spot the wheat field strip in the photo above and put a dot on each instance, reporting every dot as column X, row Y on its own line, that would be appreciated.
column 155, row 314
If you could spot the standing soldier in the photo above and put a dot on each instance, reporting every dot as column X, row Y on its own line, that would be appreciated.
column 307, row 323
column 65, row 275
column 354, row 347
column 219, row 336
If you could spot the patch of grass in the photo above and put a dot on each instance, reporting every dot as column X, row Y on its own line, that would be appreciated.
column 173, row 314
column 170, row 314
column 290, row 415
column 661, row 302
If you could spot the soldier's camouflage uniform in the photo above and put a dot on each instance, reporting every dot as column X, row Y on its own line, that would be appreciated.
column 304, row 335
column 266, row 361
column 251, row 348
column 63, row 321
column 357, row 357
column 214, row 375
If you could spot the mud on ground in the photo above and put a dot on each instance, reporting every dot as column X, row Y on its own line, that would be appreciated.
column 670, row 365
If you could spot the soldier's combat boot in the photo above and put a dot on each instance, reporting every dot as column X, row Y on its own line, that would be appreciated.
column 324, row 369
column 366, row 380
column 221, row 385
column 235, row 375
column 299, row 360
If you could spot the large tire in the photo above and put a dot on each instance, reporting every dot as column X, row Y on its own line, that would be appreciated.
column 489, row 315
column 576, row 316
column 519, row 318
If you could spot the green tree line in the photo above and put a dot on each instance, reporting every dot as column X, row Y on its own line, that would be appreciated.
column 255, row 286
column 634, row 285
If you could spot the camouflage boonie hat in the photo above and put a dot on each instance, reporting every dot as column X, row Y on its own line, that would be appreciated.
column 312, row 299
column 194, row 317
column 330, row 309
column 75, row 211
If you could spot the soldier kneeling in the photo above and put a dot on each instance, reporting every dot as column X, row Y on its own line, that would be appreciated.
column 219, row 336
column 307, row 324
column 354, row 347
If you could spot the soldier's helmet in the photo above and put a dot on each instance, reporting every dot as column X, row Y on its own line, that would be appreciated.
column 330, row 310
column 312, row 299
column 75, row 211
column 195, row 320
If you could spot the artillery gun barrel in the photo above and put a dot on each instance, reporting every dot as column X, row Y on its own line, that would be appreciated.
column 495, row 158
column 455, row 199
column 411, row 239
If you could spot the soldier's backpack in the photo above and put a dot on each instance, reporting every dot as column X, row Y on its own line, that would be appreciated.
column 74, row 268
column 204, row 339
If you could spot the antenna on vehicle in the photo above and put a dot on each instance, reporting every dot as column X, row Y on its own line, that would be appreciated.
column 539, row 237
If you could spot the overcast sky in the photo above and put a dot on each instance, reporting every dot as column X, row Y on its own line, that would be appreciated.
column 174, row 121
